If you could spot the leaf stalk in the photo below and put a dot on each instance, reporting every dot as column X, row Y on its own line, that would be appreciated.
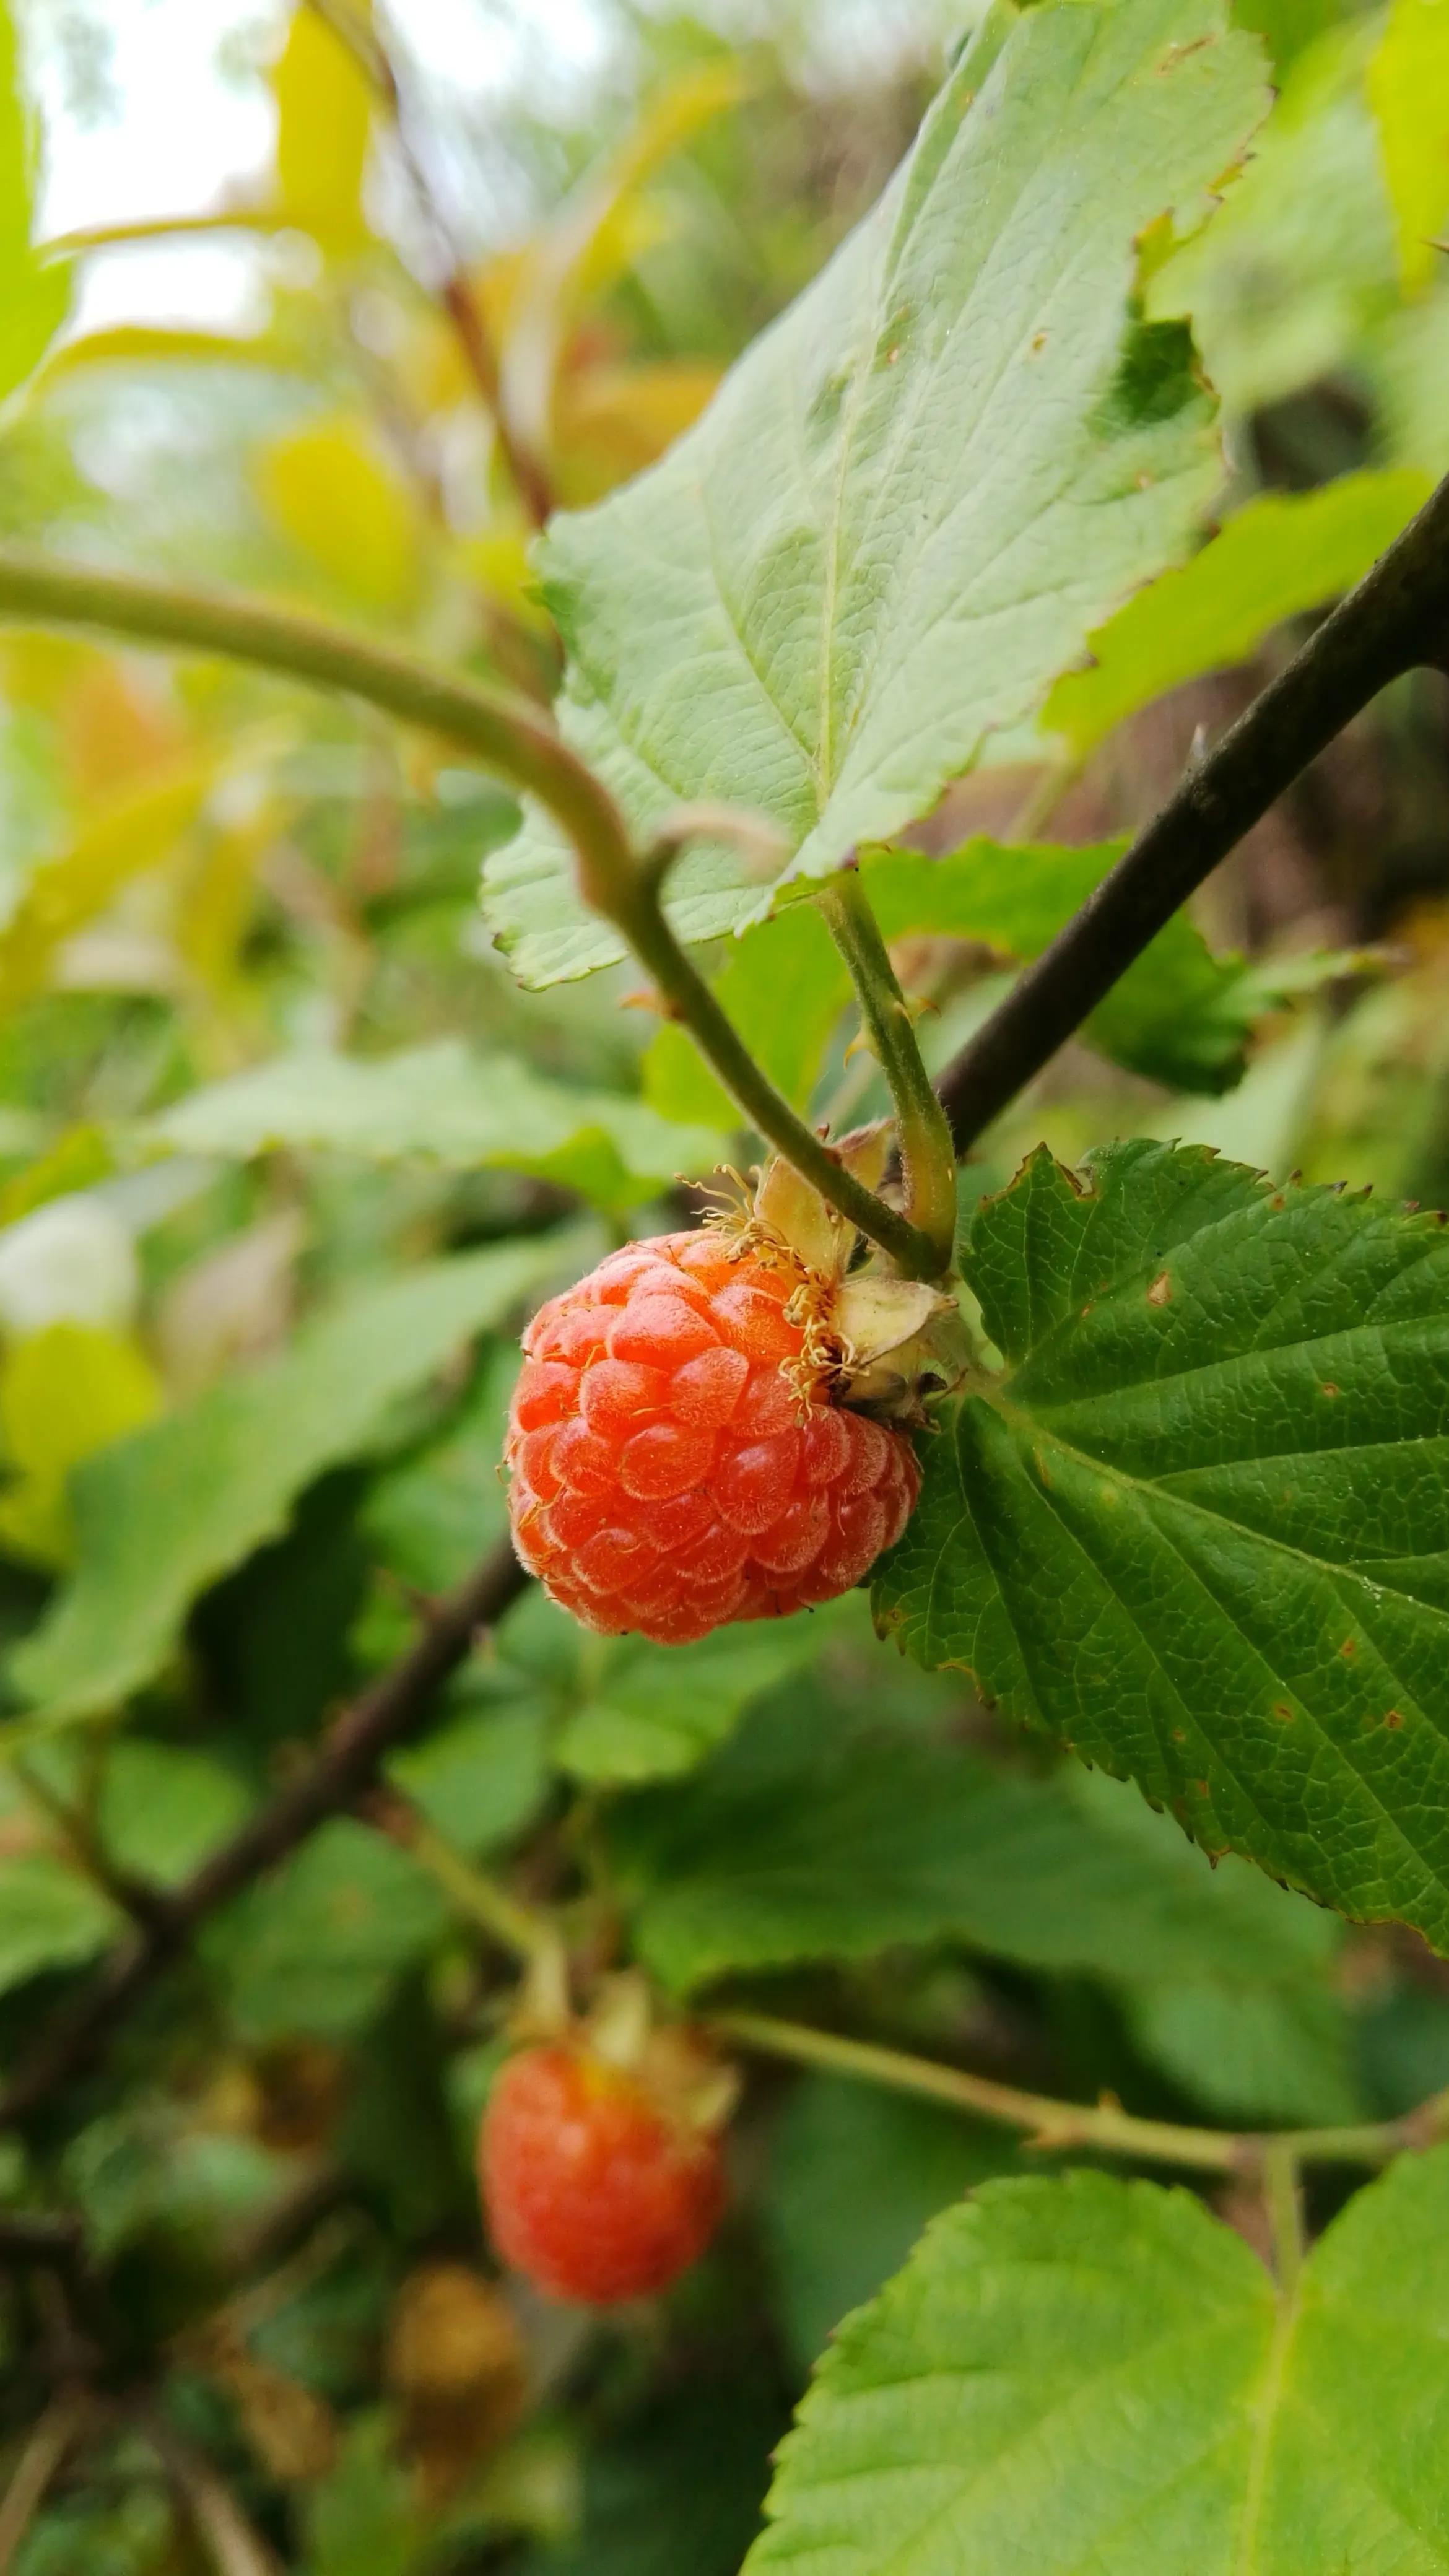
column 632, row 901
column 928, row 1158
column 1052, row 2125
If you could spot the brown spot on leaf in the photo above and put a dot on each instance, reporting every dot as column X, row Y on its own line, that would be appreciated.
column 1160, row 1292
column 1394, row 1717
column 1328, row 1388
column 1282, row 1710
column 1349, row 1646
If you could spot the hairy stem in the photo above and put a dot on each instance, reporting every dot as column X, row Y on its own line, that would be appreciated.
column 507, row 737
column 632, row 902
column 518, row 746
column 1050, row 2124
column 927, row 1154
column 1397, row 618
column 469, row 1890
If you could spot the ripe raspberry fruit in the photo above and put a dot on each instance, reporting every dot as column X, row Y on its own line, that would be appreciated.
column 596, row 2187
column 680, row 1455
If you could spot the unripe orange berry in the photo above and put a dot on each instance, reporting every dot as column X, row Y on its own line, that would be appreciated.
column 595, row 2188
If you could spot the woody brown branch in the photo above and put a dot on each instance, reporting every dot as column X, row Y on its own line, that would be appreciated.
column 1396, row 620
column 382, row 1718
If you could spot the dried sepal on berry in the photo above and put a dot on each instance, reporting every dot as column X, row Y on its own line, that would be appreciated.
column 871, row 1340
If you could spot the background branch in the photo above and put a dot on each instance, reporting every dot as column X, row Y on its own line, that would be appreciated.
column 1398, row 617
column 384, row 1716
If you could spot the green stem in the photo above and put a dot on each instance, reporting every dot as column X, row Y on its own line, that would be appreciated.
column 518, row 746
column 928, row 1158
column 514, row 1926
column 508, row 737
column 635, row 908
column 1051, row 2124
column 1283, row 2195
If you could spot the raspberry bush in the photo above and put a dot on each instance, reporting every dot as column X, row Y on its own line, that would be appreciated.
column 802, row 1924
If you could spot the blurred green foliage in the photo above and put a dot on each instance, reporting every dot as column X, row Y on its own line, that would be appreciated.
column 285, row 1154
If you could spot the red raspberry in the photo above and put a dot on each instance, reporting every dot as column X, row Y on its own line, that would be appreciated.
column 592, row 2188
column 667, row 1476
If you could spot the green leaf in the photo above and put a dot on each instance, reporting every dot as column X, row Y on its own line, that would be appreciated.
column 1408, row 86
column 917, row 493
column 819, row 1834
column 646, row 1712
column 1093, row 2374
column 430, row 1517
column 677, row 2489
column 482, row 1775
column 1226, row 1982
column 50, row 1917
column 1263, row 2054
column 1286, row 552
column 1218, row 1451
column 161, row 1515
column 164, row 1807
column 35, row 297
column 443, row 1105
column 853, row 2176
column 324, row 119
column 134, row 830
column 315, row 1947
column 1286, row 283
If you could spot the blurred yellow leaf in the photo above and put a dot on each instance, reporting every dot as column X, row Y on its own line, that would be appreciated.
column 65, row 1392
column 38, row 669
column 112, row 731
column 324, row 114
column 613, row 421
column 131, row 344
column 593, row 238
column 217, row 896
column 134, row 831
column 339, row 500
column 628, row 230
column 1408, row 84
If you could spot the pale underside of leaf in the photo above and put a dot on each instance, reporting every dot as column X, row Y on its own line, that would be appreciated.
column 1220, row 1452
column 917, row 493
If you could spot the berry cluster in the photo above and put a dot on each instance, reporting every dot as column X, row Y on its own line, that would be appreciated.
column 672, row 1466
